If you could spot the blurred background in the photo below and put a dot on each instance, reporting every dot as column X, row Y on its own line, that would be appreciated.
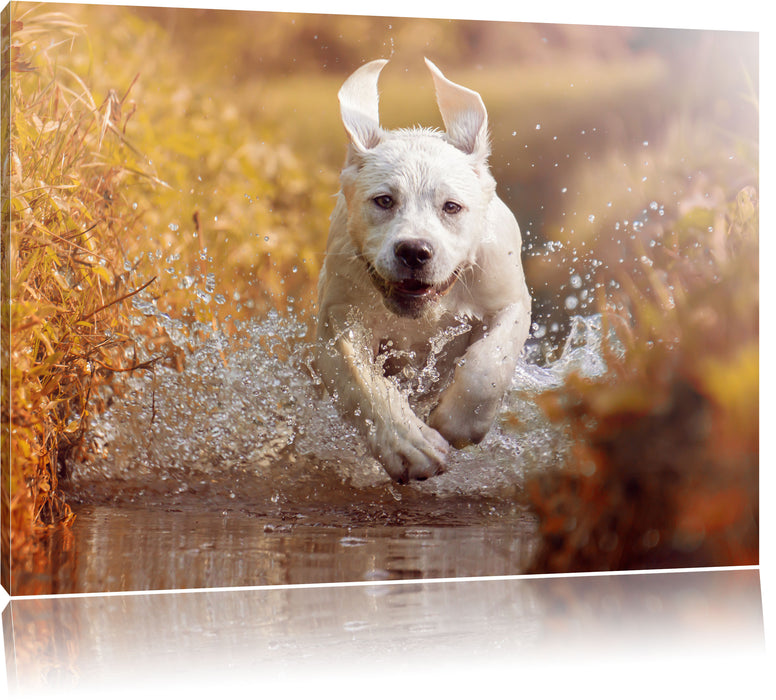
column 597, row 131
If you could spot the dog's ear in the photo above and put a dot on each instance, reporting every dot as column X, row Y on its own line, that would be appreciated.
column 464, row 115
column 358, row 98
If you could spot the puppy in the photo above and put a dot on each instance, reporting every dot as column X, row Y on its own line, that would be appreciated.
column 423, row 306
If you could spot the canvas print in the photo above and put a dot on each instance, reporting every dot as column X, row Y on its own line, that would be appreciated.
column 298, row 298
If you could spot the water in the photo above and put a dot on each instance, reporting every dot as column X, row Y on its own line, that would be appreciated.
column 126, row 548
column 239, row 471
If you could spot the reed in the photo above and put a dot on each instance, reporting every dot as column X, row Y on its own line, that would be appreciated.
column 66, row 289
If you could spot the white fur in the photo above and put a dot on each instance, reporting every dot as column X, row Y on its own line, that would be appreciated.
column 430, row 193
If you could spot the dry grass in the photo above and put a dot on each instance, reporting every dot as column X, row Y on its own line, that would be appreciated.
column 668, row 441
column 64, row 314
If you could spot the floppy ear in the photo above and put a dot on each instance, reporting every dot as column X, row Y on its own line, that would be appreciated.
column 358, row 100
column 464, row 115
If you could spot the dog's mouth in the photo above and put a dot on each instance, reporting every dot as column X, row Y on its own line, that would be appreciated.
column 417, row 288
column 409, row 296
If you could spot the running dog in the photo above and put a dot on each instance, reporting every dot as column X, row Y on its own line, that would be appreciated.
column 423, row 308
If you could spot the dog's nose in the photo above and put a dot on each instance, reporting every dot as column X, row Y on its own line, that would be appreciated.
column 414, row 253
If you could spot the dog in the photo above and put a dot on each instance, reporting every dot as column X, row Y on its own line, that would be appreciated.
column 423, row 308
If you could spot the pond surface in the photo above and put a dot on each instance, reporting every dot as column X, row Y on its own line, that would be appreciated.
column 132, row 549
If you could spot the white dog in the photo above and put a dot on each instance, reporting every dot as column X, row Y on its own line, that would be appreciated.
column 422, row 297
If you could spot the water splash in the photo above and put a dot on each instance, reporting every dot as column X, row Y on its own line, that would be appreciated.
column 247, row 425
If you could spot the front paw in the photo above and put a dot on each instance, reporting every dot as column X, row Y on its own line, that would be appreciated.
column 408, row 449
column 463, row 422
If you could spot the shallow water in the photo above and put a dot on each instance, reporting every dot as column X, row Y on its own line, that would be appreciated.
column 238, row 471
column 139, row 548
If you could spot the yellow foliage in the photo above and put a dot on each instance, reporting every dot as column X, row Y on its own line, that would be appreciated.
column 672, row 428
column 62, row 272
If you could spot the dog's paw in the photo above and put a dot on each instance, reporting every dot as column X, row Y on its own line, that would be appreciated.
column 409, row 449
column 462, row 424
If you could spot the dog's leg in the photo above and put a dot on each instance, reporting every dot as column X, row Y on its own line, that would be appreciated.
column 406, row 447
column 469, row 405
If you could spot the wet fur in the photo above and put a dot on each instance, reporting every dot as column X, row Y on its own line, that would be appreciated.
column 420, row 247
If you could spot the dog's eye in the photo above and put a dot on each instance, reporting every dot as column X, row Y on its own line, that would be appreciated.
column 384, row 201
column 451, row 208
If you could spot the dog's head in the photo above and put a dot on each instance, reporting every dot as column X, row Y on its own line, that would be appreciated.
column 416, row 198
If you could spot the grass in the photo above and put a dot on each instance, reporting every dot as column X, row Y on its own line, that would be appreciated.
column 666, row 240
column 64, row 308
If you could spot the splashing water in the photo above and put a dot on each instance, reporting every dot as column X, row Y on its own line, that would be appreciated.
column 246, row 425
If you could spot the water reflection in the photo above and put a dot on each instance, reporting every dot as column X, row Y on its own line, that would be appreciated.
column 443, row 632
column 133, row 549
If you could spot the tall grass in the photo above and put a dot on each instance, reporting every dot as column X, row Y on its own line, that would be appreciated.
column 668, row 440
column 65, row 286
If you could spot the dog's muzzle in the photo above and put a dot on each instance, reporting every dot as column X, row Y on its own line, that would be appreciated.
column 409, row 296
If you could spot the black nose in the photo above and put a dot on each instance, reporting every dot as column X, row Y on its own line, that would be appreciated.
column 414, row 253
